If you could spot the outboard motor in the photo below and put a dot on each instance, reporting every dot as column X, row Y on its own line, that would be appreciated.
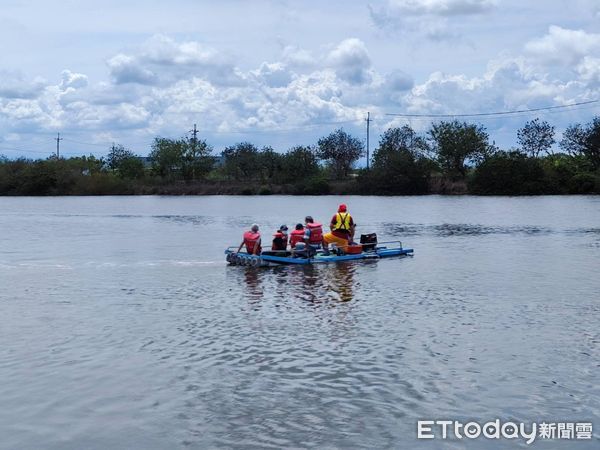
column 368, row 241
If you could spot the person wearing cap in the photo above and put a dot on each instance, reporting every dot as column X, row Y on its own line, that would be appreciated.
column 342, row 229
column 251, row 241
column 280, row 239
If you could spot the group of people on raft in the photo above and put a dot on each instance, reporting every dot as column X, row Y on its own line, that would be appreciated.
column 306, row 238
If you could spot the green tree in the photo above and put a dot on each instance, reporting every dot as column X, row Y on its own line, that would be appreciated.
column 197, row 159
column 396, row 140
column 399, row 165
column 340, row 150
column 124, row 162
column 458, row 143
column 508, row 173
column 299, row 163
column 167, row 156
column 536, row 137
column 117, row 155
column 131, row 168
column 583, row 140
column 86, row 164
column 270, row 163
column 242, row 161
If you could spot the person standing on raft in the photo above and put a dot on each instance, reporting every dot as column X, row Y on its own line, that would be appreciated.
column 251, row 241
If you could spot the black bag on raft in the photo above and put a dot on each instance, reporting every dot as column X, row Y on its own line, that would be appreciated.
column 368, row 241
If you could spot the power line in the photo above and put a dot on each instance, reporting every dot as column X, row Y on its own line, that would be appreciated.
column 496, row 113
column 501, row 117
column 85, row 143
column 22, row 150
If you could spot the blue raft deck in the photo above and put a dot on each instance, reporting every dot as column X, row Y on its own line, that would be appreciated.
column 268, row 259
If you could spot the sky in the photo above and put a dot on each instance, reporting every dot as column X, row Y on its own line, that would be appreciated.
column 284, row 73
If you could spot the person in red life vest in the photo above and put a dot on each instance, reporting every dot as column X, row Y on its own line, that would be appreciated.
column 313, row 235
column 280, row 239
column 297, row 235
column 342, row 229
column 251, row 241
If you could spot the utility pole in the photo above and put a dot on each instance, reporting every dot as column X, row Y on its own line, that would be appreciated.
column 58, row 139
column 194, row 140
column 368, row 119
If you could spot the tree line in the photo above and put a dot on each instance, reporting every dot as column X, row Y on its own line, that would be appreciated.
column 450, row 157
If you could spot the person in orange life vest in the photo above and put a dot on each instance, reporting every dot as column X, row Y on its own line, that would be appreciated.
column 313, row 235
column 251, row 241
column 280, row 239
column 297, row 235
column 342, row 229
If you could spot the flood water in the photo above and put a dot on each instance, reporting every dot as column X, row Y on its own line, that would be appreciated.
column 121, row 326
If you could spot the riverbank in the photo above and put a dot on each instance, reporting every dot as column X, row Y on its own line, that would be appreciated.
column 437, row 186
column 503, row 174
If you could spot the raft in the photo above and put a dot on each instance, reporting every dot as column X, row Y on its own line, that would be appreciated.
column 382, row 250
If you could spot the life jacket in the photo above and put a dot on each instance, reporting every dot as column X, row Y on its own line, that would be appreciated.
column 250, row 240
column 295, row 237
column 342, row 222
column 279, row 241
column 316, row 233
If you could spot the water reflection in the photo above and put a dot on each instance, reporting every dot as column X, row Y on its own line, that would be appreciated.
column 186, row 219
column 340, row 278
column 281, row 360
column 461, row 229
column 310, row 283
column 252, row 281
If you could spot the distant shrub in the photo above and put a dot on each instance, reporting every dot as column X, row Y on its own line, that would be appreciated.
column 584, row 183
column 313, row 186
column 508, row 173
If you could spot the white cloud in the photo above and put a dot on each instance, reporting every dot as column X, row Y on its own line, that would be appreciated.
column 297, row 57
column 508, row 84
column 431, row 18
column 73, row 80
column 351, row 61
column 438, row 7
column 127, row 69
column 563, row 46
column 273, row 75
column 589, row 70
column 398, row 81
column 162, row 50
column 162, row 60
column 164, row 86
column 21, row 109
column 13, row 85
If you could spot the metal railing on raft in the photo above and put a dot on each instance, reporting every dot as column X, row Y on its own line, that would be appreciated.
column 233, row 249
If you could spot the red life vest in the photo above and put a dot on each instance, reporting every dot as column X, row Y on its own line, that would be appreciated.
column 316, row 233
column 295, row 237
column 279, row 241
column 250, row 240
